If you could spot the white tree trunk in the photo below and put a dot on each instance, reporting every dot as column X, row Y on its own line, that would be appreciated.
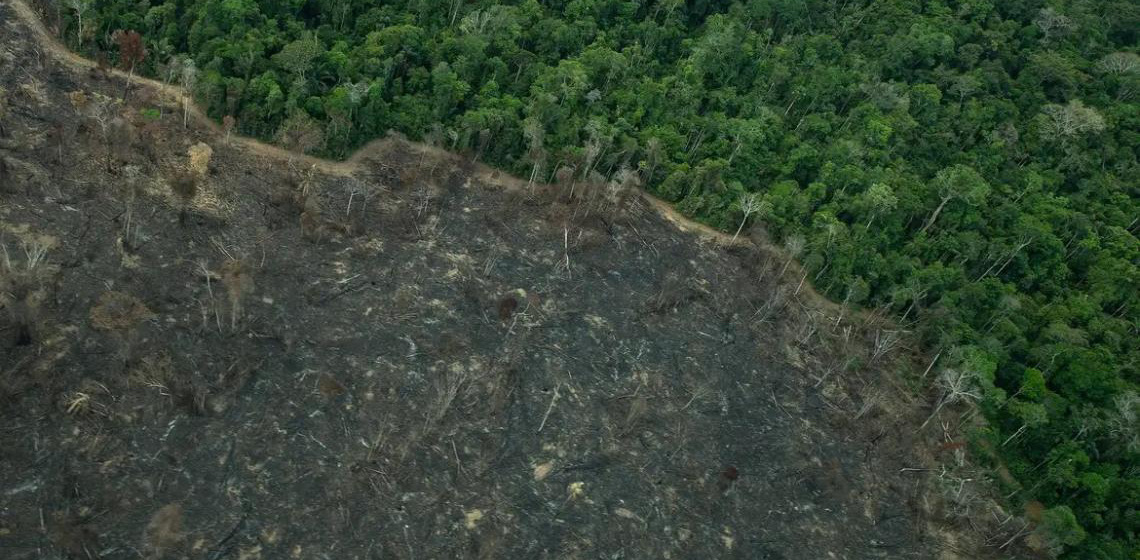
column 934, row 216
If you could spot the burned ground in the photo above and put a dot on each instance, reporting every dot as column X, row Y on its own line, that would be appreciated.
column 232, row 355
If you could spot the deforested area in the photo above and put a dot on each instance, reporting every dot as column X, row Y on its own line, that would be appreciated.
column 966, row 166
column 215, row 348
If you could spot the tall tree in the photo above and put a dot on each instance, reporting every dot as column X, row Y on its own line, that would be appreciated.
column 958, row 182
column 131, row 53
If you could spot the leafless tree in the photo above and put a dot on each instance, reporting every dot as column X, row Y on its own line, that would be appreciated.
column 1023, row 242
column 597, row 143
column 881, row 198
column 623, row 187
column 1069, row 121
column 132, row 177
column 964, row 86
column 80, row 7
column 1125, row 421
column 957, row 385
column 885, row 342
column 476, row 22
column 104, row 112
column 793, row 245
column 188, row 75
column 483, row 140
column 654, row 153
column 1119, row 63
column 1053, row 24
column 533, row 131
column 750, row 204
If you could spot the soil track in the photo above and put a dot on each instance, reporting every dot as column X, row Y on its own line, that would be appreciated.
column 172, row 96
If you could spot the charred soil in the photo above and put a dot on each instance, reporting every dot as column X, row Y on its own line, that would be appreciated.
column 207, row 351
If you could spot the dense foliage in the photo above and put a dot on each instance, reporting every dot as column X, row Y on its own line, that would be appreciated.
column 967, row 163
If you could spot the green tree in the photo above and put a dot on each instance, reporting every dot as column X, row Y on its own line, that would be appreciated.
column 958, row 182
column 298, row 57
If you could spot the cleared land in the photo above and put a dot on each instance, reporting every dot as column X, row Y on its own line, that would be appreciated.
column 215, row 349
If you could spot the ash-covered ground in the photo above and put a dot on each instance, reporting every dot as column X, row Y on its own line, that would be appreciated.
column 208, row 351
